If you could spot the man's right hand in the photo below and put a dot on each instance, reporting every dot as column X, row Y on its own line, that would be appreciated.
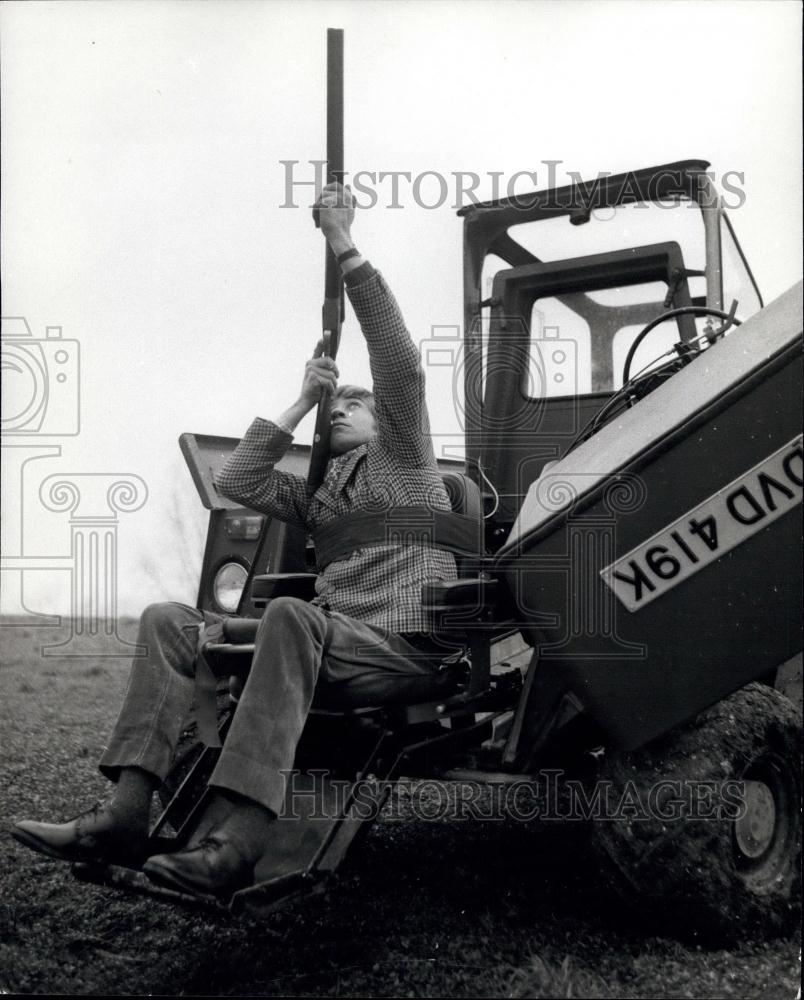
column 320, row 375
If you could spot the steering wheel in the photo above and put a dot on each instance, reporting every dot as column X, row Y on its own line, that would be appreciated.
column 670, row 314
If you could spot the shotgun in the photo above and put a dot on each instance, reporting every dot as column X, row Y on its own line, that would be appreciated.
column 332, row 312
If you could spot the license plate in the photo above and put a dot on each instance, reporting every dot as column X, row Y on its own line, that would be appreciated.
column 702, row 535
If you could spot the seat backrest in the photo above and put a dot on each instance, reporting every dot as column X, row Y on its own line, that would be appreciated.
column 464, row 494
column 465, row 498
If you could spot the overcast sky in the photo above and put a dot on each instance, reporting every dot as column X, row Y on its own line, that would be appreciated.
column 143, row 188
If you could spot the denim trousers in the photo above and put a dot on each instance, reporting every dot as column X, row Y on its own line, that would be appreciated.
column 296, row 645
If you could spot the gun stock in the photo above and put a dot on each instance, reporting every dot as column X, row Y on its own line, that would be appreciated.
column 332, row 311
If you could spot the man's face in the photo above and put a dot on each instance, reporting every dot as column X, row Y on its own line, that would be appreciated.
column 353, row 424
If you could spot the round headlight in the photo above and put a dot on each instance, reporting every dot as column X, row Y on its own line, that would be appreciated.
column 228, row 585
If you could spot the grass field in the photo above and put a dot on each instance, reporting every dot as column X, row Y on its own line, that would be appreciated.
column 434, row 909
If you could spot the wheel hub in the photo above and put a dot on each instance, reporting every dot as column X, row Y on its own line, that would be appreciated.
column 754, row 830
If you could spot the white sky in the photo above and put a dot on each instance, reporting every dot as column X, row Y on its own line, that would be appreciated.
column 142, row 188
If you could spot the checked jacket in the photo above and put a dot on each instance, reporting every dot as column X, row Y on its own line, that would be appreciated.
column 377, row 584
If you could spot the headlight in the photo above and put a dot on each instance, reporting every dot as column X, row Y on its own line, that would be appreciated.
column 228, row 585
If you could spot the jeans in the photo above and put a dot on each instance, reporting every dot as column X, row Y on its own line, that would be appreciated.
column 297, row 643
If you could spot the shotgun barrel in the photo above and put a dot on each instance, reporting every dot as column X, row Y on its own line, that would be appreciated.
column 332, row 312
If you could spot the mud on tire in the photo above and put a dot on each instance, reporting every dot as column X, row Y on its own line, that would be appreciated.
column 736, row 872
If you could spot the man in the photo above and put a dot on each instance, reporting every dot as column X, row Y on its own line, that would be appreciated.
column 365, row 599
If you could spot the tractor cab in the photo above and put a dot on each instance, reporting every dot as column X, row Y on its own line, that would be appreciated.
column 560, row 287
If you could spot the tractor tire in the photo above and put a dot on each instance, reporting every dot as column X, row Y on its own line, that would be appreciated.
column 707, row 837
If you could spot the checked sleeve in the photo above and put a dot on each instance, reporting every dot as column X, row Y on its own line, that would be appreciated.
column 249, row 476
column 396, row 370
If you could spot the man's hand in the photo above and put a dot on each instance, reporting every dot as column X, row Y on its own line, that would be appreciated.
column 320, row 375
column 336, row 213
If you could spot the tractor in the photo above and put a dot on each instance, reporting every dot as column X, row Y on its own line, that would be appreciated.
column 630, row 617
